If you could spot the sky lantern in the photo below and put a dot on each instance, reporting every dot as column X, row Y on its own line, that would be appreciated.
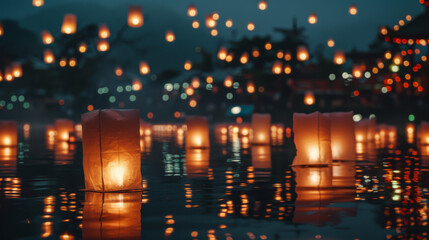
column 287, row 69
column 137, row 85
column 47, row 37
column 229, row 80
column 189, row 91
column 339, row 57
column 8, row 74
column 356, row 71
column 255, row 52
column 277, row 67
column 222, row 53
column 192, row 11
column 197, row 162
column 195, row 83
column 210, row 22
column 309, row 98
column 244, row 58
column 353, row 9
column 83, row 47
column 215, row 16
column 250, row 26
column 169, row 36
column 195, row 24
column 111, row 150
column 261, row 156
column 112, row 215
column 69, row 24
column 197, row 132
column 103, row 45
column 229, row 57
column 312, row 139
column 48, row 56
column 312, row 19
column 397, row 59
column 38, row 3
column 103, row 31
column 228, row 23
column 17, row 70
column 262, row 5
column 331, row 42
column 144, row 68
column 8, row 133
column 342, row 136
column 250, row 87
column 188, row 65
column 135, row 17
column 302, row 53
column 261, row 126
column 63, row 127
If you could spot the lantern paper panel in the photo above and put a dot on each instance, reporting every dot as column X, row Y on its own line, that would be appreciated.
column 197, row 133
column 261, row 127
column 342, row 136
column 312, row 139
column 8, row 133
column 111, row 150
column 63, row 128
column 197, row 162
column 112, row 215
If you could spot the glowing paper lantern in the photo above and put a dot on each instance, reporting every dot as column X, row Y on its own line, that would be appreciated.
column 353, row 10
column 302, row 54
column 47, row 37
column 8, row 133
column 397, row 59
column 261, row 126
column 262, row 5
column 169, row 36
column 277, row 67
column 112, row 215
column 197, row 132
column 357, row 71
column 103, row 31
column 197, row 162
column 309, row 98
column 342, row 136
column 63, row 127
column 103, row 45
column 111, row 150
column 210, row 22
column 339, row 57
column 17, row 70
column 69, row 24
column 312, row 139
column 38, row 3
column 192, row 11
column 48, row 56
column 312, row 19
column 188, row 65
column 144, row 68
column 135, row 16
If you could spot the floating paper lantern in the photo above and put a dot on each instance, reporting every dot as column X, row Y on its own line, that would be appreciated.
column 342, row 136
column 250, row 26
column 82, row 48
column 111, row 150
column 261, row 124
column 261, row 156
column 188, row 65
column 309, row 98
column 353, row 10
column 135, row 16
column 62, row 153
column 244, row 58
column 331, row 43
column 197, row 162
column 17, row 70
column 195, row 24
column 357, row 71
column 262, row 5
column 48, row 56
column 192, row 11
column 137, row 85
column 103, row 31
column 8, row 134
column 312, row 19
column 210, row 22
column 38, row 3
column 312, row 139
column 103, row 45
column 169, row 36
column 397, row 59
column 144, row 68
column 112, row 215
column 47, row 37
column 26, row 131
column 69, row 24
column 277, row 67
column 302, row 54
column 63, row 127
column 339, row 57
column 228, row 23
column 8, row 75
column 197, row 132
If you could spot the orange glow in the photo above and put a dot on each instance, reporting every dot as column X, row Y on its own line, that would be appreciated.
column 38, row 3
column 250, row 26
column 193, row 103
column 72, row 62
column 137, row 85
column 339, row 57
column 169, row 36
column 189, row 91
column 144, row 68
column 209, row 79
column 135, row 17
column 250, row 88
column 192, row 11
column 47, row 37
column 222, row 53
column 69, row 24
column 187, row 65
column 255, row 53
column 312, row 19
column 268, row 46
column 331, row 43
column 195, row 24
column 262, row 5
column 287, row 69
column 83, row 47
column 277, row 67
column 103, row 31
column 302, row 54
column 228, row 81
column 90, row 108
column 118, row 71
column 103, row 46
column 195, row 83
column 214, row 32
column 48, row 56
column 228, row 23
column 309, row 98
column 210, row 21
column 244, row 58
column 353, row 10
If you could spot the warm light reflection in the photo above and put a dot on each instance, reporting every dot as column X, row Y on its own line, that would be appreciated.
column 197, row 162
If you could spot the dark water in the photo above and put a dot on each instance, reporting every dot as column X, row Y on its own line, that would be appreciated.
column 232, row 191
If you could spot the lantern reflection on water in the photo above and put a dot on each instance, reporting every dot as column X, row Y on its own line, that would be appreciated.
column 197, row 133
column 312, row 139
column 8, row 161
column 63, row 154
column 111, row 150
column 63, row 127
column 261, row 126
column 197, row 162
column 342, row 135
column 410, row 131
column 261, row 156
column 8, row 133
column 145, row 128
column 112, row 215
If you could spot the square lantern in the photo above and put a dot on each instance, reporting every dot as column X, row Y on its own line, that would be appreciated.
column 8, row 134
column 343, row 144
column 112, row 215
column 197, row 132
column 312, row 139
column 261, row 127
column 111, row 150
column 63, row 128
